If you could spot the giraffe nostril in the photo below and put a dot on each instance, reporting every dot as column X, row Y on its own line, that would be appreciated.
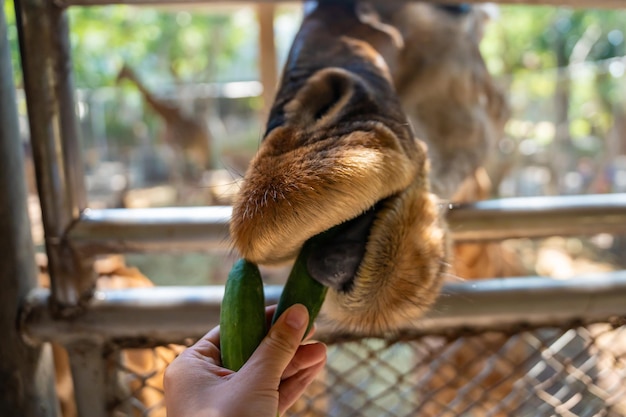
column 323, row 96
column 336, row 86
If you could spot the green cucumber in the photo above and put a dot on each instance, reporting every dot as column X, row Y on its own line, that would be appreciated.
column 242, row 315
column 300, row 287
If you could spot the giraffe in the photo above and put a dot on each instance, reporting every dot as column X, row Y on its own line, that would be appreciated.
column 186, row 135
column 384, row 115
column 381, row 115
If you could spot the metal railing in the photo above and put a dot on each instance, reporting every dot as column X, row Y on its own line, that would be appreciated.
column 572, row 371
column 204, row 229
column 526, row 346
column 172, row 314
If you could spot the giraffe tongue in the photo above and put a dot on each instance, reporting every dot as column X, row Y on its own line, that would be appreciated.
column 336, row 263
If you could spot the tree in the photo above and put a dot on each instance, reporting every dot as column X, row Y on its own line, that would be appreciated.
column 556, row 49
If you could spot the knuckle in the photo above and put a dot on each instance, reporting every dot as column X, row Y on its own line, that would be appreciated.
column 282, row 342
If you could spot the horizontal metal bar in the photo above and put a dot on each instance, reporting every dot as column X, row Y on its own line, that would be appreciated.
column 172, row 314
column 204, row 229
column 535, row 301
column 539, row 216
column 165, row 229
column 615, row 4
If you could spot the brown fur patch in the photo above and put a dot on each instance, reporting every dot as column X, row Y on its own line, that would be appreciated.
column 292, row 192
column 400, row 276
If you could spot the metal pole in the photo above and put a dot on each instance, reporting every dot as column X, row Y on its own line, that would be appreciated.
column 268, row 70
column 44, row 45
column 26, row 372
column 538, row 216
column 205, row 229
column 162, row 315
column 150, row 230
column 90, row 377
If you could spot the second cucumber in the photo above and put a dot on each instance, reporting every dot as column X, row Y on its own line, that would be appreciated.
column 300, row 287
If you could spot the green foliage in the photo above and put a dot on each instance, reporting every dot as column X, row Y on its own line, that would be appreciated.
column 9, row 13
column 164, row 45
column 513, row 42
column 538, row 52
column 564, row 71
column 525, row 38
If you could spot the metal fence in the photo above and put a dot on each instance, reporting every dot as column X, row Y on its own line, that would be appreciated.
column 501, row 347
column 565, row 371
column 552, row 371
column 524, row 346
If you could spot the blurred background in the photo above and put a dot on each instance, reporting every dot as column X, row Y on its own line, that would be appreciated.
column 147, row 76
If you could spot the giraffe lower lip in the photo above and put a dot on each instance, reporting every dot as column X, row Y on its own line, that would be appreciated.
column 336, row 263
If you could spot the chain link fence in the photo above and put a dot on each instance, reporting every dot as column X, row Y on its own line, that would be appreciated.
column 135, row 380
column 572, row 371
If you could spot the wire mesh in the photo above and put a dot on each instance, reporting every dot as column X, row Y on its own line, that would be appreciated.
column 136, row 380
column 575, row 371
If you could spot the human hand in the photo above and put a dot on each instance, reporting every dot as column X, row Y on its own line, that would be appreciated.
column 275, row 376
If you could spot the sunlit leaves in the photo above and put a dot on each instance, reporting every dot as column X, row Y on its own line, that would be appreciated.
column 164, row 45
column 523, row 37
column 9, row 14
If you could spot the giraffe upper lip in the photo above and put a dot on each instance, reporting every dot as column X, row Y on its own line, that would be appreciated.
column 336, row 263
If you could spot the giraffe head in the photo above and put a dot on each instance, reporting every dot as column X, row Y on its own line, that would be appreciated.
column 339, row 149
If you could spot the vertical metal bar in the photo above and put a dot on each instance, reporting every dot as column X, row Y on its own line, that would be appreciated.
column 26, row 372
column 89, row 376
column 44, row 44
column 268, row 70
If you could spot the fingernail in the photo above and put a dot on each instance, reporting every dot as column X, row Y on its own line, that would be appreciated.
column 297, row 317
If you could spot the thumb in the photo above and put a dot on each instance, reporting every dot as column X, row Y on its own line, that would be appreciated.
column 277, row 349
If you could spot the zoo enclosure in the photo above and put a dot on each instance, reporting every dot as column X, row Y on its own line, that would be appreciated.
column 89, row 326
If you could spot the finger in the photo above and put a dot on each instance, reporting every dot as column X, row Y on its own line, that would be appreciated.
column 213, row 336
column 206, row 350
column 208, row 345
column 311, row 332
column 269, row 312
column 203, row 355
column 305, row 357
column 269, row 316
column 292, row 389
column 278, row 348
column 203, row 358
